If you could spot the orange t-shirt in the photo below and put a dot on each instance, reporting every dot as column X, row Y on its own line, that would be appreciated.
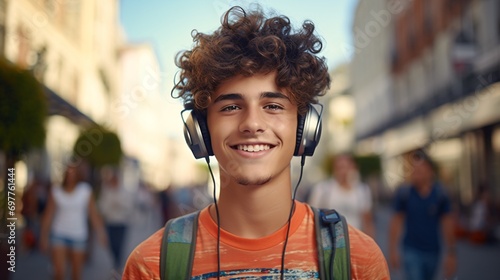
column 249, row 258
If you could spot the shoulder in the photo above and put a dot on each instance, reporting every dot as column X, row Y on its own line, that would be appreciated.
column 318, row 190
column 441, row 190
column 367, row 260
column 362, row 188
column 55, row 190
column 404, row 189
column 403, row 192
column 144, row 261
column 442, row 196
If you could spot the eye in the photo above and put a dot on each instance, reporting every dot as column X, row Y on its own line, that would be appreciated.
column 230, row 108
column 273, row 107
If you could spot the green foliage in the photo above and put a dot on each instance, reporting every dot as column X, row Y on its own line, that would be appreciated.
column 23, row 110
column 367, row 165
column 99, row 147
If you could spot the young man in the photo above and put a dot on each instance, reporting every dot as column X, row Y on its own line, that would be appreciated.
column 422, row 220
column 250, row 84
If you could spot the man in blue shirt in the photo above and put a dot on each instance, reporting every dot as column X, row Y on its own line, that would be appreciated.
column 423, row 218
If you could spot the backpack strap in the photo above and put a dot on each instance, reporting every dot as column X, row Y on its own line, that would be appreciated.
column 178, row 246
column 332, row 239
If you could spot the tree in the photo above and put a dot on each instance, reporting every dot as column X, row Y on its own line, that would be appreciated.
column 98, row 146
column 23, row 110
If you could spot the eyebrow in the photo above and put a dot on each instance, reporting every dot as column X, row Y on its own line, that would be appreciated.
column 228, row 96
column 275, row 94
column 238, row 96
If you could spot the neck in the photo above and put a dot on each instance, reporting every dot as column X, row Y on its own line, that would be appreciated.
column 344, row 183
column 70, row 186
column 425, row 187
column 254, row 211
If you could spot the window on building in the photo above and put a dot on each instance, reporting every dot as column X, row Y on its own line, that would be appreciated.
column 71, row 25
column 428, row 18
column 50, row 7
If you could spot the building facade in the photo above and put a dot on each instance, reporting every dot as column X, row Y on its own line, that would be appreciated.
column 72, row 48
column 437, row 65
column 149, row 120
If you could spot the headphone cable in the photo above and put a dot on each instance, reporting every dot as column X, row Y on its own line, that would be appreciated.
column 207, row 159
column 302, row 162
column 292, row 208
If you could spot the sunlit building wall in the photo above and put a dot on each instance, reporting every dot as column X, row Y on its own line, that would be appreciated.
column 338, row 114
column 369, row 72
column 71, row 46
column 149, row 120
column 337, row 128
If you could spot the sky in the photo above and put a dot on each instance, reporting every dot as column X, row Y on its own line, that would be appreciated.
column 167, row 25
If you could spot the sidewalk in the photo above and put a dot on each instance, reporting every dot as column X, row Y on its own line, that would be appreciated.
column 35, row 265
column 473, row 261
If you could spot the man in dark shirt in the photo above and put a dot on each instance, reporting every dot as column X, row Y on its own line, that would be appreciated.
column 422, row 213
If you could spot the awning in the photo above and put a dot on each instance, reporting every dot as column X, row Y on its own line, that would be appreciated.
column 471, row 85
column 58, row 106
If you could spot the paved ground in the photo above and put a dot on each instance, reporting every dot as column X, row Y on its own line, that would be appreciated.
column 34, row 265
column 474, row 262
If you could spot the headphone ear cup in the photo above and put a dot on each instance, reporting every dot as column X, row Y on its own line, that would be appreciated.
column 202, row 120
column 197, row 135
column 300, row 128
column 308, row 132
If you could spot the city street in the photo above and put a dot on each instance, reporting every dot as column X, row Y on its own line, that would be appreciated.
column 110, row 121
column 474, row 262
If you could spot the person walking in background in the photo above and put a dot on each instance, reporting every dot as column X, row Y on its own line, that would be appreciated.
column 31, row 215
column 422, row 218
column 480, row 218
column 345, row 193
column 65, row 223
column 116, row 204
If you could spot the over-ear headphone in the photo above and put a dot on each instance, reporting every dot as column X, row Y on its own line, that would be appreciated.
column 198, row 137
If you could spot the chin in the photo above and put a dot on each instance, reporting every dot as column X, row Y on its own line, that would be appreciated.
column 252, row 181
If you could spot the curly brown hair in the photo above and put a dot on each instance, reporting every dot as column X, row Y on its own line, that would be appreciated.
column 246, row 44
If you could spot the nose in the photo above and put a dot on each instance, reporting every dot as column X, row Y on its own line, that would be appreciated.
column 252, row 121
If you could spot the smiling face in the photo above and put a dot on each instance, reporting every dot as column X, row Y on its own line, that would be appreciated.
column 252, row 125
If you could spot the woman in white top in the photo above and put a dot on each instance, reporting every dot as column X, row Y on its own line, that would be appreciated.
column 65, row 223
column 345, row 193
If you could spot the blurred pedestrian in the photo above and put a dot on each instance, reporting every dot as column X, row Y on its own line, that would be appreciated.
column 422, row 218
column 345, row 193
column 167, row 204
column 30, row 214
column 480, row 218
column 116, row 205
column 65, row 223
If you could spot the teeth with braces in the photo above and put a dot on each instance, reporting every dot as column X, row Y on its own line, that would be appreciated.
column 253, row 148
